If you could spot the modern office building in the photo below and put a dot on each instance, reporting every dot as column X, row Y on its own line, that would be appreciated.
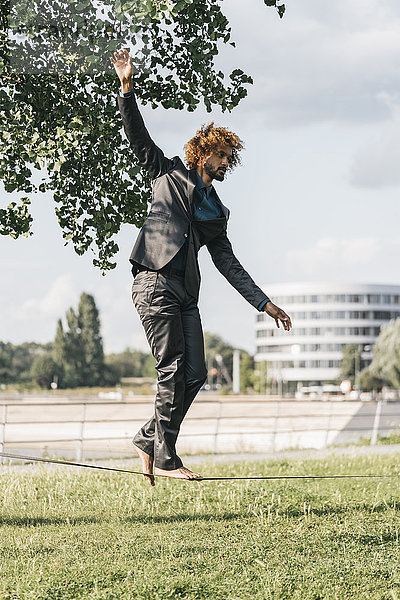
column 325, row 318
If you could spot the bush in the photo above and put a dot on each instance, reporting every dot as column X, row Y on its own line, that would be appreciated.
column 43, row 370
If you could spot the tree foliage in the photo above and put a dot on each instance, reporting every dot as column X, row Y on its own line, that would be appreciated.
column 350, row 365
column 16, row 360
column 385, row 366
column 78, row 349
column 247, row 376
column 132, row 363
column 58, row 110
column 43, row 370
column 214, row 346
column 369, row 381
column 91, row 341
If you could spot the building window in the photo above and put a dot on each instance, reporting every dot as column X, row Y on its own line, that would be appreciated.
column 382, row 314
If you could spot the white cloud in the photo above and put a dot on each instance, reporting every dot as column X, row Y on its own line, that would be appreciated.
column 52, row 304
column 34, row 317
column 359, row 259
column 59, row 297
column 322, row 62
column 376, row 163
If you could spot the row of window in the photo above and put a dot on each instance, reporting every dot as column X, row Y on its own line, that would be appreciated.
column 310, row 364
column 327, row 298
column 306, row 331
column 304, row 364
column 376, row 315
column 306, row 348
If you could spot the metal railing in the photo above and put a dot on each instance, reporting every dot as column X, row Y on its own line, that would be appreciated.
column 276, row 423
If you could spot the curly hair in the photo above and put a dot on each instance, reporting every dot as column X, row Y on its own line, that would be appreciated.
column 207, row 139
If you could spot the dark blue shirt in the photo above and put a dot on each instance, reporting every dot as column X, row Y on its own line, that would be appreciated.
column 205, row 206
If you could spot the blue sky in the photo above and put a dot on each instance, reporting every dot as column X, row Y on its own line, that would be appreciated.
column 316, row 197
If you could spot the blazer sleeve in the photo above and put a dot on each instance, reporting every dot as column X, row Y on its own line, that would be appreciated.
column 226, row 262
column 149, row 155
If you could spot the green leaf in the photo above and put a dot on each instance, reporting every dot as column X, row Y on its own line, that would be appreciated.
column 69, row 121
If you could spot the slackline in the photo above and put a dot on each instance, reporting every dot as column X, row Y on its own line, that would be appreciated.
column 271, row 477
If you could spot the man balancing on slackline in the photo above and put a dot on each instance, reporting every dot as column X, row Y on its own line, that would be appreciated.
column 186, row 213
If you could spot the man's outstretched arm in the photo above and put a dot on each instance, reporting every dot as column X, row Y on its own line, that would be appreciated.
column 150, row 156
column 226, row 262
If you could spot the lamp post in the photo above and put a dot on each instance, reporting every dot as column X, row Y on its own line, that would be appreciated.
column 357, row 361
column 295, row 349
column 236, row 372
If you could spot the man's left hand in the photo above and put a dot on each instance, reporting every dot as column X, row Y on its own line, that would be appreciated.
column 279, row 315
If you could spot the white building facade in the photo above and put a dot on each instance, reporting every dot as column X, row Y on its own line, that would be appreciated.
column 325, row 318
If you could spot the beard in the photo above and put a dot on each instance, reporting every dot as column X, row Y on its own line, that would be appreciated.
column 214, row 173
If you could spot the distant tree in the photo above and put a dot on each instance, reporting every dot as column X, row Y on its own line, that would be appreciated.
column 369, row 381
column 43, row 370
column 59, row 351
column 246, row 372
column 132, row 363
column 73, row 363
column 91, row 341
column 149, row 366
column 5, row 363
column 16, row 360
column 215, row 345
column 128, row 363
column 350, row 365
column 78, row 349
column 260, row 377
column 385, row 366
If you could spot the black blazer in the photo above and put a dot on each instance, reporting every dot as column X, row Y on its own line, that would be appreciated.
column 167, row 225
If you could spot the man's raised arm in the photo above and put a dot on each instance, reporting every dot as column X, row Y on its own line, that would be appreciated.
column 148, row 153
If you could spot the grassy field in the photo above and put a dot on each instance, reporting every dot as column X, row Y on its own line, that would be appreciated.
column 69, row 533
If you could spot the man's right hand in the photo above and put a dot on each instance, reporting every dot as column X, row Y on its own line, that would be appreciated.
column 279, row 315
column 122, row 62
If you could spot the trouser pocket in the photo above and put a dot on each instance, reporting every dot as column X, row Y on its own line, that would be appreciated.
column 143, row 288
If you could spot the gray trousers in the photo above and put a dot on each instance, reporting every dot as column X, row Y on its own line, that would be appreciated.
column 171, row 320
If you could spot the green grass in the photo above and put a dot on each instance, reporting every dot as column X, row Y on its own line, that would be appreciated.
column 382, row 440
column 72, row 533
column 391, row 438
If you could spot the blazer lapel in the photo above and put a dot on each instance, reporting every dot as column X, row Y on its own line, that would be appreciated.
column 192, row 182
column 225, row 210
column 191, row 186
column 188, row 180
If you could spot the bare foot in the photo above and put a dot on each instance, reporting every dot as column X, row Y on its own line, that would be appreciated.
column 147, row 464
column 181, row 473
